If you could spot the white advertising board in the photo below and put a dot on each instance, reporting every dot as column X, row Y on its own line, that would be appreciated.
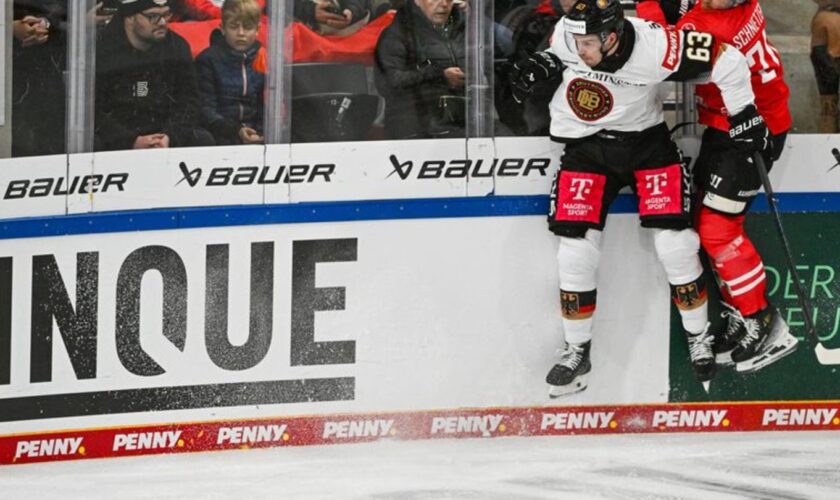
column 379, row 170
column 268, row 320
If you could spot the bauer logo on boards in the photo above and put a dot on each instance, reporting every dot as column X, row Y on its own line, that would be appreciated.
column 477, row 168
column 254, row 175
column 63, row 186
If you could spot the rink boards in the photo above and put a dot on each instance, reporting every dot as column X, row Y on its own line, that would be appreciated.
column 479, row 423
column 211, row 299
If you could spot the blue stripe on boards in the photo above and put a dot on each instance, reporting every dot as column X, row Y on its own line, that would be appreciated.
column 340, row 211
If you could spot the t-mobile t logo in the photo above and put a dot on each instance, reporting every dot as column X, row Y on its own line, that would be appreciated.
column 581, row 188
column 655, row 182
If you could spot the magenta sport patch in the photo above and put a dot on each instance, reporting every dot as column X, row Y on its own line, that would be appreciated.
column 580, row 196
column 660, row 190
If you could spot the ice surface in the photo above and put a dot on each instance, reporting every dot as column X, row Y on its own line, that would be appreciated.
column 788, row 465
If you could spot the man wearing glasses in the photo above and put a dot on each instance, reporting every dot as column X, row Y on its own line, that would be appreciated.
column 146, row 91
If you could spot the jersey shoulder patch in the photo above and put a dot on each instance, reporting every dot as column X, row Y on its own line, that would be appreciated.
column 672, row 49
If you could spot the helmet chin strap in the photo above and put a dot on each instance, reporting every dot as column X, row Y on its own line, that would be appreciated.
column 604, row 36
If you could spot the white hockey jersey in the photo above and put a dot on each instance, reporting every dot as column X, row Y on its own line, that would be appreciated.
column 627, row 99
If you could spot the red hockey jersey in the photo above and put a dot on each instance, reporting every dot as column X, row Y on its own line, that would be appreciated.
column 744, row 28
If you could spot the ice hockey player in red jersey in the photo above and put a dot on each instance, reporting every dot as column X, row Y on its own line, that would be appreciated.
column 755, row 334
column 608, row 113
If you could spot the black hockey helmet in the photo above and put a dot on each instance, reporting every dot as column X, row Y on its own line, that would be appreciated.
column 595, row 17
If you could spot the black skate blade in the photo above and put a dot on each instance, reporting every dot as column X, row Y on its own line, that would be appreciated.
column 784, row 345
column 579, row 384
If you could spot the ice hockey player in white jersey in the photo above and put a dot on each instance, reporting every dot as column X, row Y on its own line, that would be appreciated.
column 608, row 113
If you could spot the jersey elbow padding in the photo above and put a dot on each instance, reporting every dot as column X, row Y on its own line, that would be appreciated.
column 731, row 74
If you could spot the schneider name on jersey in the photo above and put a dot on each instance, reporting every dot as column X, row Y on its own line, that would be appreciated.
column 616, row 94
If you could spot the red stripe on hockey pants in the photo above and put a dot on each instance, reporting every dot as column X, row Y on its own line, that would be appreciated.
column 735, row 259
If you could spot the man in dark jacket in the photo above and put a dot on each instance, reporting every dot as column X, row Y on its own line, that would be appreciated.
column 419, row 70
column 146, row 92
column 39, row 60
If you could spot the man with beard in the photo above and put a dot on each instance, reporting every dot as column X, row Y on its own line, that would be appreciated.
column 146, row 91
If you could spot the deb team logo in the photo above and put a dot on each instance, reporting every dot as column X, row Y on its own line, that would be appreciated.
column 589, row 100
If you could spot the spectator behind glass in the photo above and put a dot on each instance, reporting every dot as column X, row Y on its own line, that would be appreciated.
column 195, row 10
column 825, row 51
column 333, row 17
column 39, row 47
column 231, row 76
column 531, row 33
column 146, row 92
column 419, row 70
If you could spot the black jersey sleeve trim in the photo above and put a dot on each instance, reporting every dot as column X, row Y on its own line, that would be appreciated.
column 697, row 56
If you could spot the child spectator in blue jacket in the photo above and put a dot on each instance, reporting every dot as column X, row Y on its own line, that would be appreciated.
column 231, row 76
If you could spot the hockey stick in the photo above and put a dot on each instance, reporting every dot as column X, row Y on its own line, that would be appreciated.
column 825, row 356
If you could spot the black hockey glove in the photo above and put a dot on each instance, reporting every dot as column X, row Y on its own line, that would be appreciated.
column 526, row 73
column 749, row 131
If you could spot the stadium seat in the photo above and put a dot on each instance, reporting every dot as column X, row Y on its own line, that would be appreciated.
column 322, row 78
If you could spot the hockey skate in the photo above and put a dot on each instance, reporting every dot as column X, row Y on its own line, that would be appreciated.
column 701, row 355
column 571, row 373
column 766, row 340
column 727, row 340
